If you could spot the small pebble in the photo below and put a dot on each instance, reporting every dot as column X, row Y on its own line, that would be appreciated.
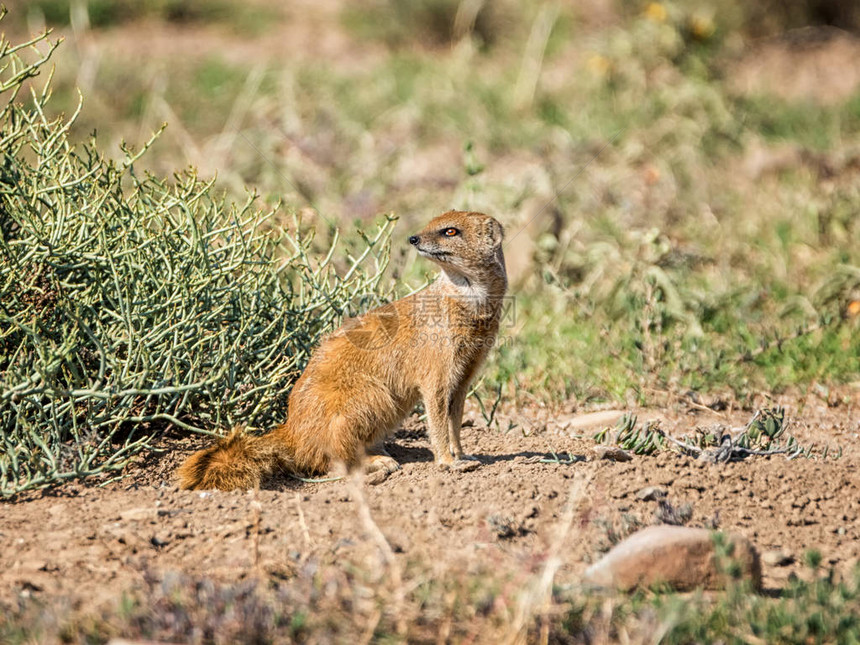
column 612, row 453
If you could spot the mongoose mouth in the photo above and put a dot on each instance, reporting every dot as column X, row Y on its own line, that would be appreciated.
column 438, row 255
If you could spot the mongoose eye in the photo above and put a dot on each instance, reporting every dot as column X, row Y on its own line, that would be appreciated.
column 450, row 232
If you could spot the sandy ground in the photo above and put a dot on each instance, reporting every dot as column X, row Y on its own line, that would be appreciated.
column 83, row 545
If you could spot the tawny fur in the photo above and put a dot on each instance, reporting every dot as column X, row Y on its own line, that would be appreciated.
column 366, row 376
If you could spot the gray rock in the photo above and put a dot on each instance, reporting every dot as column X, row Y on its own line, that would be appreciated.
column 679, row 557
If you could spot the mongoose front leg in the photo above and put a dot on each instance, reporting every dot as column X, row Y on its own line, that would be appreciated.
column 436, row 406
column 440, row 423
column 455, row 423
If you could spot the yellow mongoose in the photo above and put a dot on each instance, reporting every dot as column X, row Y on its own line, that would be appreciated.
column 367, row 375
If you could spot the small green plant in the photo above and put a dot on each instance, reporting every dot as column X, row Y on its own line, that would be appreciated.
column 489, row 415
column 641, row 440
column 723, row 554
column 813, row 558
column 764, row 434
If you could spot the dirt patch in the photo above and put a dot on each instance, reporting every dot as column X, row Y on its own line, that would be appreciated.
column 304, row 31
column 83, row 545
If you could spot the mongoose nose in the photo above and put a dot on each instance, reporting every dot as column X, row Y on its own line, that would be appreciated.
column 413, row 240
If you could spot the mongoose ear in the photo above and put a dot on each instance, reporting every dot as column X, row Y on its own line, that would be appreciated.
column 494, row 231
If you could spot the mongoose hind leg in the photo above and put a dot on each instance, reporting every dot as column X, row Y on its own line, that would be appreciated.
column 464, row 464
column 379, row 461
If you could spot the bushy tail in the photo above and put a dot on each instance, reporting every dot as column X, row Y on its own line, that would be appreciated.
column 237, row 461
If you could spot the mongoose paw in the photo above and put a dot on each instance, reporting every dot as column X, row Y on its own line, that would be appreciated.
column 384, row 464
column 464, row 464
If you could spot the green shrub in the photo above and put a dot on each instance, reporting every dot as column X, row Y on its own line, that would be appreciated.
column 129, row 304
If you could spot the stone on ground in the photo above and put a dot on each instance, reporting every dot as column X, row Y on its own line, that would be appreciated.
column 679, row 557
column 611, row 453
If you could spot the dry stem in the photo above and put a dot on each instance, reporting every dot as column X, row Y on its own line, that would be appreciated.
column 355, row 482
column 539, row 593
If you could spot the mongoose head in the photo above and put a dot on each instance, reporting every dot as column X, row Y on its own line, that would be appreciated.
column 465, row 245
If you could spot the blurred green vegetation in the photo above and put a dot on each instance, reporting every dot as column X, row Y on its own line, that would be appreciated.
column 404, row 23
column 252, row 19
column 478, row 607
